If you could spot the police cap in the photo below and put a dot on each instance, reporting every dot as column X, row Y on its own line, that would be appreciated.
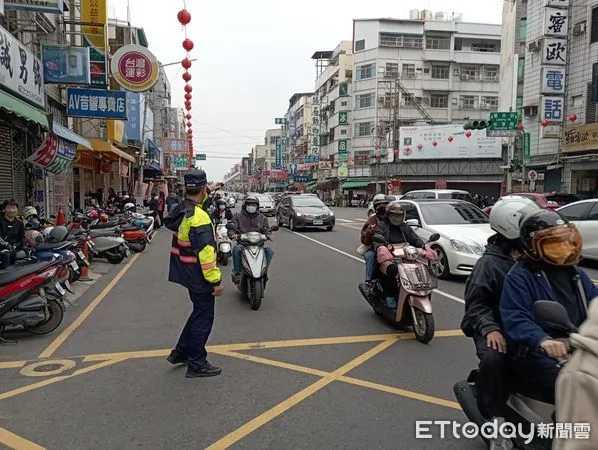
column 196, row 179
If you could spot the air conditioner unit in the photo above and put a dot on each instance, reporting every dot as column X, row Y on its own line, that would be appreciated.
column 533, row 46
column 465, row 76
column 530, row 111
column 579, row 28
column 455, row 101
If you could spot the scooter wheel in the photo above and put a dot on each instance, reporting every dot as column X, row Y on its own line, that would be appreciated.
column 423, row 327
column 115, row 258
column 55, row 316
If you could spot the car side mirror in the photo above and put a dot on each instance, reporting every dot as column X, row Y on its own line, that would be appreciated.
column 274, row 228
column 435, row 237
column 553, row 314
column 413, row 223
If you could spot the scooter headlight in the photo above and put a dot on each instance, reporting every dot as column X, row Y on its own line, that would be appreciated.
column 225, row 247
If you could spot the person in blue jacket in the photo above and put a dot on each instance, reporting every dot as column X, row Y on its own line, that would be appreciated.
column 547, row 271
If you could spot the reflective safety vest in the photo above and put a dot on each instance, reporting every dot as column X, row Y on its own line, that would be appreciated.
column 193, row 254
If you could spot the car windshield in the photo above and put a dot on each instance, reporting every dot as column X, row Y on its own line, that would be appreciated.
column 264, row 199
column 307, row 201
column 452, row 214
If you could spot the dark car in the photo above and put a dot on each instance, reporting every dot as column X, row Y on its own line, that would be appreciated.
column 304, row 211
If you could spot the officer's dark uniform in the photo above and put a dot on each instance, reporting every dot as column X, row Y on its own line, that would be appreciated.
column 193, row 265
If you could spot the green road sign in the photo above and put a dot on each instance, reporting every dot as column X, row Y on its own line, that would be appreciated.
column 280, row 121
column 342, row 145
column 200, row 156
column 343, row 118
column 526, row 146
column 503, row 124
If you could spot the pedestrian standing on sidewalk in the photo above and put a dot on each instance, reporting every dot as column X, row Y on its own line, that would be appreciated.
column 193, row 265
column 161, row 207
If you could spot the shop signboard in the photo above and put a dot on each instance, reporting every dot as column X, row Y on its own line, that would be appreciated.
column 553, row 80
column 581, row 138
column 65, row 65
column 526, row 146
column 97, row 103
column 171, row 146
column 153, row 155
column 41, row 6
column 133, row 123
column 315, row 125
column 554, row 51
column 302, row 178
column 556, row 22
column 135, row 68
column 94, row 13
column 552, row 108
column 278, row 154
column 20, row 70
column 55, row 155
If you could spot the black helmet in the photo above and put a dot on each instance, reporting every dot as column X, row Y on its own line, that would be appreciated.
column 253, row 200
column 547, row 236
column 395, row 213
column 58, row 234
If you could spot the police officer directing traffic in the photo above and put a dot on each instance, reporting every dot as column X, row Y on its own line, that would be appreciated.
column 193, row 265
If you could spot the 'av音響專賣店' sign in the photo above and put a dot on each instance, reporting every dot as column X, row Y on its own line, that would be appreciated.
column 579, row 139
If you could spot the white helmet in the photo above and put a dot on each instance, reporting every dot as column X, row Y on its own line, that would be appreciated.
column 508, row 213
column 29, row 211
column 130, row 207
column 47, row 232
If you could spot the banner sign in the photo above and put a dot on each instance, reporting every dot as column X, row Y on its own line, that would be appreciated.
column 278, row 161
column 303, row 179
column 54, row 155
column 94, row 36
column 20, row 70
column 135, row 68
column 124, row 170
column 97, row 103
column 42, row 6
column 133, row 123
column 153, row 155
column 175, row 146
column 65, row 65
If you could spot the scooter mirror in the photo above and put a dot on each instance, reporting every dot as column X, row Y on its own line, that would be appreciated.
column 553, row 314
column 274, row 228
column 434, row 237
column 379, row 239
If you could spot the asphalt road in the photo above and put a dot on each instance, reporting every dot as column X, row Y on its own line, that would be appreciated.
column 313, row 368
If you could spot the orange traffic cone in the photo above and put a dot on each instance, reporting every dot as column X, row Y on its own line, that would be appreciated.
column 84, row 272
column 60, row 218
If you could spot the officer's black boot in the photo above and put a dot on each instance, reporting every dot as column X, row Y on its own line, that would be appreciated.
column 175, row 358
column 207, row 370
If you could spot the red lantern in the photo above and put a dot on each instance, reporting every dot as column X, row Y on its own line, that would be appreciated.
column 188, row 117
column 450, row 139
column 186, row 63
column 184, row 16
column 188, row 89
column 396, row 152
column 188, row 108
column 187, row 103
column 189, row 124
column 468, row 133
column 544, row 123
column 419, row 146
column 188, row 44
column 434, row 143
column 573, row 117
column 520, row 126
column 186, row 76
column 188, row 96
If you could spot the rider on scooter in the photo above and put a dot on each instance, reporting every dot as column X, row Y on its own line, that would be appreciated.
column 395, row 231
column 380, row 203
column 221, row 212
column 249, row 219
column 547, row 271
column 482, row 296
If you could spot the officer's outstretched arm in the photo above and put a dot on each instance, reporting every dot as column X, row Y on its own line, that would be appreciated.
column 202, row 241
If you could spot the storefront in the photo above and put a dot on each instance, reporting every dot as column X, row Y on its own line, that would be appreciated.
column 580, row 151
column 357, row 189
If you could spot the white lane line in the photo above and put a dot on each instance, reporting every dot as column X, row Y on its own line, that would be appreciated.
column 361, row 219
column 334, row 249
column 344, row 220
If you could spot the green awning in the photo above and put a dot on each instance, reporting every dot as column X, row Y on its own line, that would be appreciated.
column 355, row 184
column 310, row 184
column 21, row 109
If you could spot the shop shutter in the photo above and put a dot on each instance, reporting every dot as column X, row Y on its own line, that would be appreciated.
column 6, row 184
column 20, row 180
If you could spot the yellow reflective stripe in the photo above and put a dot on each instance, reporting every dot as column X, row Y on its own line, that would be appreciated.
column 207, row 259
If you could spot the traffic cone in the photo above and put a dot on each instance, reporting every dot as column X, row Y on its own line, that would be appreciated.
column 60, row 218
column 84, row 272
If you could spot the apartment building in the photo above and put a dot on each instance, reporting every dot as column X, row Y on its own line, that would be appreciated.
column 298, row 128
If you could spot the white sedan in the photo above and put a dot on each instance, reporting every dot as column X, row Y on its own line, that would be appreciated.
column 584, row 214
column 464, row 231
column 391, row 198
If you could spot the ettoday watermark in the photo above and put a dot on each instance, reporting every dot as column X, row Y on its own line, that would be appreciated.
column 428, row 429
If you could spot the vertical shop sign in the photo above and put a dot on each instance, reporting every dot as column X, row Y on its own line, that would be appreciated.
column 93, row 12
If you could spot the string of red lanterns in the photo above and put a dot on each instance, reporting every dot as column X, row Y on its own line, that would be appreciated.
column 184, row 18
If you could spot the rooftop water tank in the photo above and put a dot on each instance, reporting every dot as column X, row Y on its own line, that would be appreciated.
column 426, row 15
column 414, row 14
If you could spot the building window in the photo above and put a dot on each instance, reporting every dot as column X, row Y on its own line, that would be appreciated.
column 440, row 72
column 438, row 42
column 439, row 101
column 594, row 30
column 469, row 72
column 522, row 29
column 360, row 45
column 365, row 100
column 408, row 71
column 366, row 71
column 491, row 73
column 343, row 131
column 468, row 101
column 272, row 140
column 485, row 47
column 273, row 153
column 458, row 44
column 344, row 103
column 521, row 69
column 362, row 158
column 364, row 129
column 401, row 40
column 392, row 69
column 490, row 102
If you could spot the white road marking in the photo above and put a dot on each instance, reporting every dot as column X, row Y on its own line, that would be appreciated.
column 344, row 220
column 361, row 219
column 334, row 249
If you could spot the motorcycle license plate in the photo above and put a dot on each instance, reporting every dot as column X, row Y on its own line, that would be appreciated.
column 74, row 265
column 128, row 253
column 60, row 289
column 318, row 222
column 81, row 255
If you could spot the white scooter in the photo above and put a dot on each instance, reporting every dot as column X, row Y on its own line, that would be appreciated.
column 223, row 242
column 521, row 409
column 254, row 273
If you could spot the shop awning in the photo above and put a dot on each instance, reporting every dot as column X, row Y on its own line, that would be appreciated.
column 69, row 135
column 99, row 145
column 355, row 184
column 21, row 109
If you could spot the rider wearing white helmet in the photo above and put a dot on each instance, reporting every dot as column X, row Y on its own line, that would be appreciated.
column 380, row 202
column 482, row 296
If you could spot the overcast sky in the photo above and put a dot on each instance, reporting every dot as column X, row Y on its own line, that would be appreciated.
column 252, row 57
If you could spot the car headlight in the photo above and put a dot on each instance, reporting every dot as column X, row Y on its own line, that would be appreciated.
column 460, row 246
column 331, row 213
column 298, row 214
column 478, row 249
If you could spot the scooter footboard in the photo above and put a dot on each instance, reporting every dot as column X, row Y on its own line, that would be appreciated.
column 422, row 303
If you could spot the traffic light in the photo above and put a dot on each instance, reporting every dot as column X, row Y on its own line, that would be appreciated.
column 477, row 124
